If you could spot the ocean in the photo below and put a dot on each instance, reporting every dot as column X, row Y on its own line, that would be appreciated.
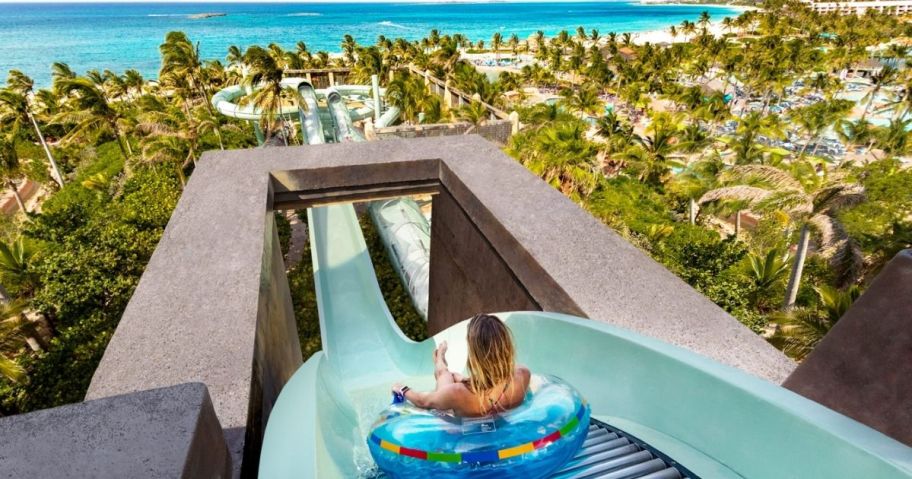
column 118, row 36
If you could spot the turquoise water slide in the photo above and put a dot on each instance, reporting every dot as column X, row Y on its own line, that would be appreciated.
column 716, row 421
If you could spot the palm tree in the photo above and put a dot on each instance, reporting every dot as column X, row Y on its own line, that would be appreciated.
column 895, row 139
column 407, row 92
column 370, row 62
column 13, row 338
column 92, row 113
column 560, row 155
column 766, row 272
column 584, row 100
column 181, row 57
column 348, row 49
column 266, row 78
column 704, row 19
column 539, row 40
column 627, row 39
column 581, row 33
column 652, row 156
column 855, row 133
column 612, row 128
column 475, row 113
column 16, row 98
column 879, row 80
column 514, row 43
column 61, row 71
column 901, row 102
column 496, row 43
column 818, row 117
column 134, row 82
column 745, row 144
column 16, row 274
column 9, row 169
column 695, row 180
column 688, row 28
column 801, row 329
column 812, row 203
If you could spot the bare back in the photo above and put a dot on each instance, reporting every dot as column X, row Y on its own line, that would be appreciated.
column 453, row 391
column 508, row 396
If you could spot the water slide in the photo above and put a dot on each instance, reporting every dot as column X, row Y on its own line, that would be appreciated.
column 406, row 236
column 364, row 102
column 309, row 114
column 343, row 127
column 654, row 405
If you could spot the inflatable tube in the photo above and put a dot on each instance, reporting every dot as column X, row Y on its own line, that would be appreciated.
column 530, row 441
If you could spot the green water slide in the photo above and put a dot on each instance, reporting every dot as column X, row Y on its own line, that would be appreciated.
column 715, row 421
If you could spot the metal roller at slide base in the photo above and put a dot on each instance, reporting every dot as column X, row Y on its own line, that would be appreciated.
column 609, row 453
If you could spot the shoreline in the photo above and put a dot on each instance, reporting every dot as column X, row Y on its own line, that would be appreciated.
column 656, row 36
column 647, row 3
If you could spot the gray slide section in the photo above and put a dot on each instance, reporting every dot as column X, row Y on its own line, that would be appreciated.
column 309, row 113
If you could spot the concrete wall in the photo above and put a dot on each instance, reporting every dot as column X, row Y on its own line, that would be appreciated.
column 863, row 367
column 277, row 354
column 497, row 131
column 213, row 305
column 162, row 433
column 463, row 260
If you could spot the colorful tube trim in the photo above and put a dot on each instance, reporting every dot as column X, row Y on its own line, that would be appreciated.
column 489, row 456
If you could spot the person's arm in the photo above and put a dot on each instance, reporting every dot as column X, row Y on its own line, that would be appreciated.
column 440, row 398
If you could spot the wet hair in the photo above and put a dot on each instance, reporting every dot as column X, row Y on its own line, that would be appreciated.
column 491, row 355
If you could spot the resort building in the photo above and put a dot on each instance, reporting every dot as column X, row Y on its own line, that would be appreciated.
column 894, row 7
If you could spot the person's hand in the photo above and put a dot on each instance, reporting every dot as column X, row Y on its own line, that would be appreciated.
column 397, row 386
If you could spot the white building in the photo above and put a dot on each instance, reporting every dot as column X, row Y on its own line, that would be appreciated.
column 895, row 7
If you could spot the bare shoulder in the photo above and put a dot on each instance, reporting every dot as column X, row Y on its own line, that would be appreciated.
column 524, row 374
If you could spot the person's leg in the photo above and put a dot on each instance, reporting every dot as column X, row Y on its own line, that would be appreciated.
column 441, row 369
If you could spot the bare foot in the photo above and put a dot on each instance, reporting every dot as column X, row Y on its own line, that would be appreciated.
column 441, row 351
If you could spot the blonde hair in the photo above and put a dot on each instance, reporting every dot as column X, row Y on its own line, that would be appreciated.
column 491, row 355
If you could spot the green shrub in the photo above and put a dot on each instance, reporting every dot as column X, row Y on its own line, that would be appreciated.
column 303, row 296
column 93, row 250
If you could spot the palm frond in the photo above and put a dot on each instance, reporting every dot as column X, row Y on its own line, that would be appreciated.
column 749, row 194
column 793, row 202
column 839, row 196
column 842, row 252
column 768, row 175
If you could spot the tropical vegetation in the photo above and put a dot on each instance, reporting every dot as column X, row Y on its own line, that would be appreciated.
column 703, row 159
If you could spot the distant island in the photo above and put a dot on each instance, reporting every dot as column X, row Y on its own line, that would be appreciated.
column 200, row 16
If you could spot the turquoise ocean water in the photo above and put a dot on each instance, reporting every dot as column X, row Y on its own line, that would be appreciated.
column 119, row 36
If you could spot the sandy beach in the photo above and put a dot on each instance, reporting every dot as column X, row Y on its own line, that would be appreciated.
column 664, row 36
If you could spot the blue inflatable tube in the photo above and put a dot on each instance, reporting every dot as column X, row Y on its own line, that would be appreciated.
column 530, row 441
